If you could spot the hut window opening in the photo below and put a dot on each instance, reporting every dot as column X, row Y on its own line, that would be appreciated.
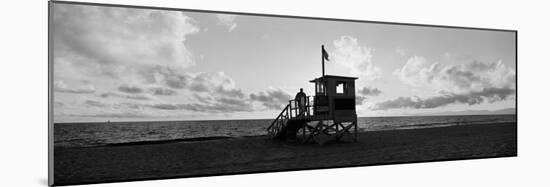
column 320, row 88
column 340, row 87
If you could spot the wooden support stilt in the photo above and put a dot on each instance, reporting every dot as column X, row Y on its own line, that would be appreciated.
column 355, row 129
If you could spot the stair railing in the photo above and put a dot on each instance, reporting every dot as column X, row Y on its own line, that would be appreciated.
column 279, row 123
column 295, row 111
column 291, row 111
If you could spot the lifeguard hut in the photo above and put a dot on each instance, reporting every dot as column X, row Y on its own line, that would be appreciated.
column 328, row 115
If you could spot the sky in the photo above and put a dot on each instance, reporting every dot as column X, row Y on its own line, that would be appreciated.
column 125, row 64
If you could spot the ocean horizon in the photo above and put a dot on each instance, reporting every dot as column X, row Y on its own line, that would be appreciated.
column 91, row 134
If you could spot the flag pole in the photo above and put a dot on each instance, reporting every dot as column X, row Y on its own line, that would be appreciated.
column 323, row 58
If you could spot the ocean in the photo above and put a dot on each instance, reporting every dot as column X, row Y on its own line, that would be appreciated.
column 98, row 134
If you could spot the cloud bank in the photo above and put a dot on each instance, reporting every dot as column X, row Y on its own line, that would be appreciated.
column 60, row 86
column 111, row 37
column 470, row 83
column 348, row 53
column 468, row 77
column 367, row 91
column 272, row 98
column 489, row 95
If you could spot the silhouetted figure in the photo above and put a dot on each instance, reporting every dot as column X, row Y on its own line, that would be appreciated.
column 301, row 101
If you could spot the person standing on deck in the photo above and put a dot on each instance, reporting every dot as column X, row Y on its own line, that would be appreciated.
column 301, row 102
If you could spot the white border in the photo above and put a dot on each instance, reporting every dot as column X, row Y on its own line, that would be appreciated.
column 24, row 93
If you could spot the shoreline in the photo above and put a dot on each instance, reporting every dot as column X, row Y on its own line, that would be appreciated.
column 212, row 138
column 170, row 159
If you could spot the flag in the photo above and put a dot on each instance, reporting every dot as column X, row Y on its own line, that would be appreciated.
column 325, row 54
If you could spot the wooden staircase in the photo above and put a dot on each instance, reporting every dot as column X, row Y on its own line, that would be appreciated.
column 293, row 122
column 286, row 125
column 290, row 120
column 279, row 124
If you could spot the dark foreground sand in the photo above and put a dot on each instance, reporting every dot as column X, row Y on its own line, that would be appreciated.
column 253, row 154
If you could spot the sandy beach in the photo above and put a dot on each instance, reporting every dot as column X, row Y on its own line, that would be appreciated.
column 254, row 154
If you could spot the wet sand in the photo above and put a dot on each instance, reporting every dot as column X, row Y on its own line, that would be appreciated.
column 255, row 154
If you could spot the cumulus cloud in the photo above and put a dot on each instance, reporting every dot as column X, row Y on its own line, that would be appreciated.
column 362, row 94
column 203, row 98
column 132, row 89
column 165, row 106
column 217, row 83
column 470, row 83
column 230, row 92
column 227, row 107
column 416, row 71
column 60, row 86
column 214, row 82
column 221, row 98
column 227, row 20
column 162, row 91
column 174, row 78
column 126, row 96
column 93, row 103
column 115, row 41
column 215, row 88
column 230, row 101
column 215, row 108
column 359, row 99
column 367, row 91
column 489, row 95
column 234, row 101
column 210, row 90
column 271, row 98
column 349, row 53
column 141, row 56
column 127, row 105
column 464, row 78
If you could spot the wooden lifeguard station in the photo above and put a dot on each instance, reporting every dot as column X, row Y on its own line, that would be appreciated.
column 329, row 115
